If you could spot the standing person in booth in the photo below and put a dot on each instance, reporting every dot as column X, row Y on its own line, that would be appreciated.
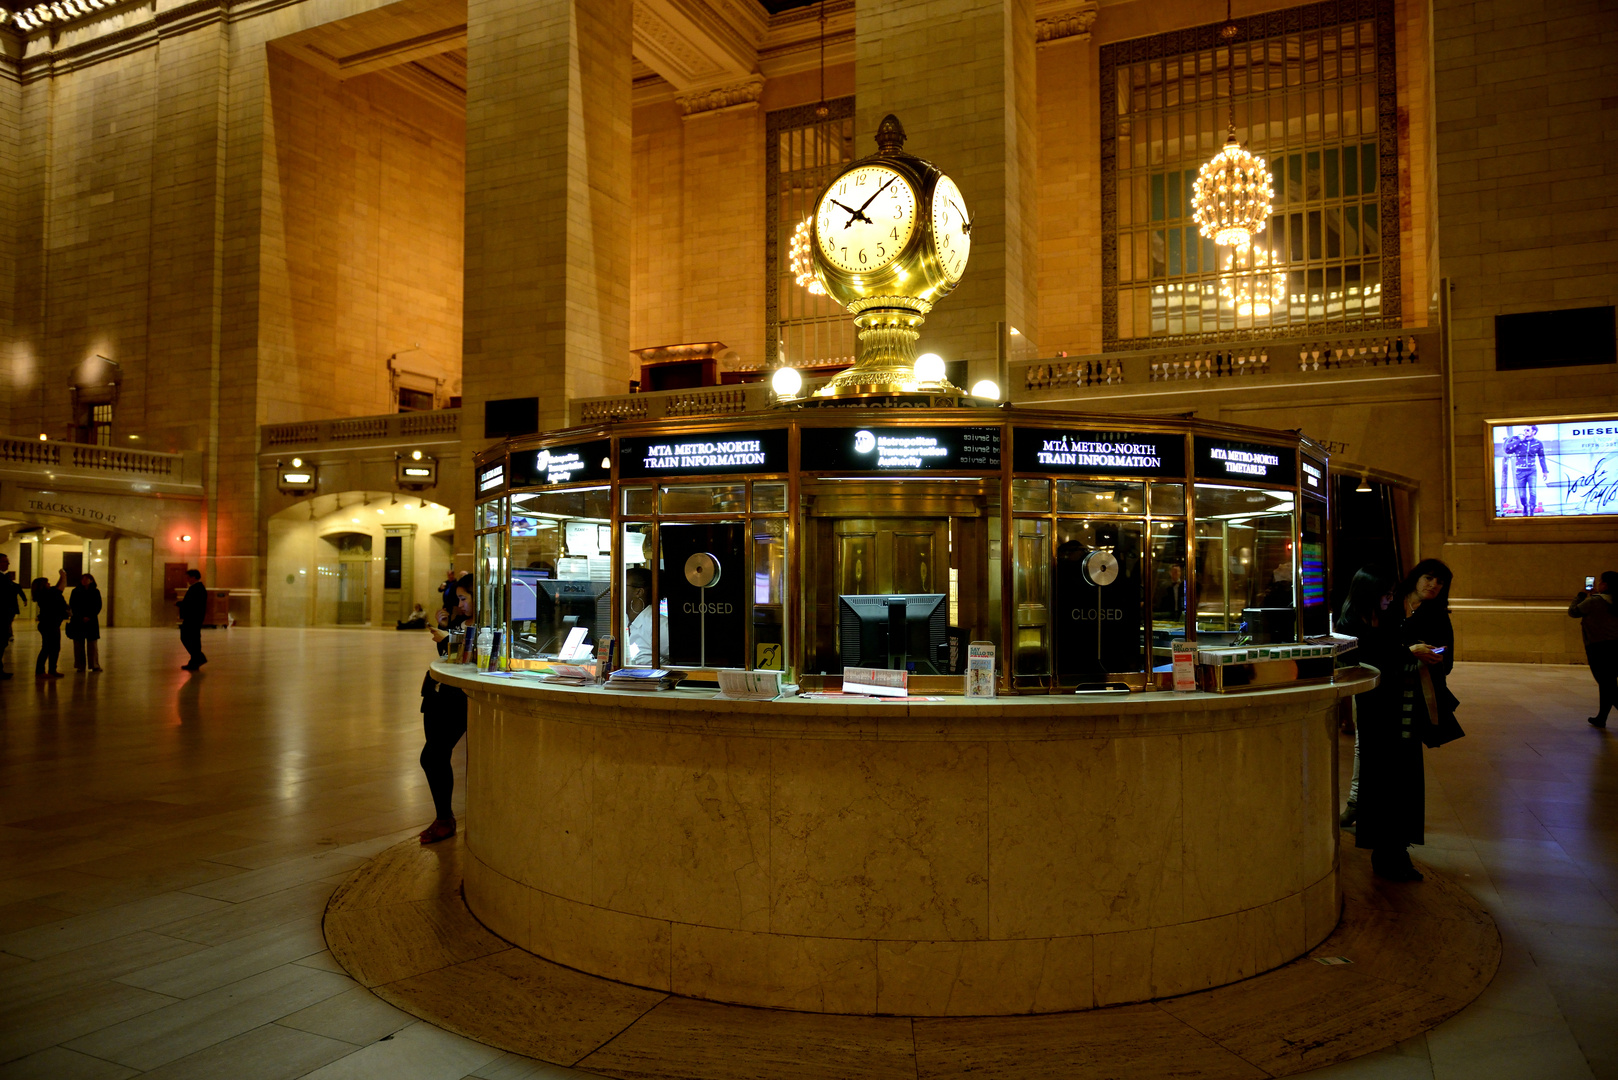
column 49, row 611
column 443, row 722
column 193, row 611
column 1599, row 624
column 85, row 604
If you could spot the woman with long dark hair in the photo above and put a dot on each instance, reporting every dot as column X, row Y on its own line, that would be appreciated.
column 85, row 604
column 1392, row 785
column 49, row 611
column 443, row 720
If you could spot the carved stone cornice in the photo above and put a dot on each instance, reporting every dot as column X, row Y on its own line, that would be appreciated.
column 746, row 92
column 1059, row 25
column 696, row 43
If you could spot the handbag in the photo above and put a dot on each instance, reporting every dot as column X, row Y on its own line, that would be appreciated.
column 1441, row 726
column 72, row 629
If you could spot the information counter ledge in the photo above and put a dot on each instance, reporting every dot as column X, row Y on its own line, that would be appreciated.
column 953, row 857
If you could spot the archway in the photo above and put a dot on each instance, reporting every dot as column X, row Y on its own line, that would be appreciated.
column 121, row 562
column 356, row 558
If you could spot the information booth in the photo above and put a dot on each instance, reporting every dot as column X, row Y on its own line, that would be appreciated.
column 1082, row 547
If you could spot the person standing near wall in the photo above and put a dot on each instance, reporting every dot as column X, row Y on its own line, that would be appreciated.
column 10, row 596
column 193, row 610
column 85, row 624
column 1599, row 623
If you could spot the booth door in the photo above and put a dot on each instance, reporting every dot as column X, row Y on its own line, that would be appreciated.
column 892, row 555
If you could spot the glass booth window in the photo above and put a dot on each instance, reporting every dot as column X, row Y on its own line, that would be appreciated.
column 1245, row 565
column 1099, row 599
column 561, row 571
column 646, row 620
column 1100, row 497
column 490, row 553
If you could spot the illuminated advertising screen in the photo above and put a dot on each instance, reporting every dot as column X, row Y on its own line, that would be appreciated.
column 1563, row 468
column 905, row 449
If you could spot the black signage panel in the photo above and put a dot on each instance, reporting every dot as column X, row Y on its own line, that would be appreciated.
column 1221, row 459
column 562, row 464
column 714, row 453
column 1085, row 452
column 1315, row 476
column 900, row 449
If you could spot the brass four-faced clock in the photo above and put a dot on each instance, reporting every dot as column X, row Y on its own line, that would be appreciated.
column 892, row 236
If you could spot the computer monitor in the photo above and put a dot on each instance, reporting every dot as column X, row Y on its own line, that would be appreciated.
column 1270, row 625
column 893, row 630
column 573, row 602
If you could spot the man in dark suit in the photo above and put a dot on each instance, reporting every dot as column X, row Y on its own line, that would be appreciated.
column 193, row 610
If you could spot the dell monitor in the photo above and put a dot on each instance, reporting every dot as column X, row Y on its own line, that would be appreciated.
column 1270, row 625
column 899, row 631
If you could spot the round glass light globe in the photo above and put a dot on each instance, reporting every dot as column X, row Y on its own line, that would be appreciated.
column 929, row 368
column 986, row 388
column 786, row 382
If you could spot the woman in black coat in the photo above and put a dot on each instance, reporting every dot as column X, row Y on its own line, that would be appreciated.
column 85, row 605
column 443, row 720
column 49, row 611
column 1392, row 789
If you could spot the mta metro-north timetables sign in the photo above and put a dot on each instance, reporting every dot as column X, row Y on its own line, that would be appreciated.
column 1562, row 469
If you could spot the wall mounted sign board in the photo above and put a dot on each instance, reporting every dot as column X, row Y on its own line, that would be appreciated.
column 590, row 461
column 1085, row 452
column 698, row 453
column 1238, row 462
column 900, row 449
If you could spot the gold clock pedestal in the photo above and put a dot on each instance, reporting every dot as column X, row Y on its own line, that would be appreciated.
column 888, row 327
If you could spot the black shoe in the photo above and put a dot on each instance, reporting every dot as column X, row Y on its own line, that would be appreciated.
column 1597, row 721
column 1394, row 866
column 1350, row 813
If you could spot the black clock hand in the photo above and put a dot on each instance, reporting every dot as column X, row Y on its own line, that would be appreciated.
column 853, row 215
column 872, row 199
column 966, row 226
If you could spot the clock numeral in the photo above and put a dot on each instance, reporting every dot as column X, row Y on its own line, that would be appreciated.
column 862, row 254
column 881, row 252
column 896, row 234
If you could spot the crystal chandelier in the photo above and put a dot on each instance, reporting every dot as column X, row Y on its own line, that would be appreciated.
column 803, row 267
column 1254, row 289
column 1231, row 198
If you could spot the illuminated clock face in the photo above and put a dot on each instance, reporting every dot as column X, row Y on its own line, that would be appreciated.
column 865, row 219
column 952, row 229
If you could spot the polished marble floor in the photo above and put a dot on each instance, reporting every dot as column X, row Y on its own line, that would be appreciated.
column 169, row 842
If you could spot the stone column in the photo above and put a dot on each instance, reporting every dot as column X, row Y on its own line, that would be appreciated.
column 961, row 78
column 547, row 208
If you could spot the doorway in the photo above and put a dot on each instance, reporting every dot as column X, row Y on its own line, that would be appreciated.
column 353, row 574
column 898, row 537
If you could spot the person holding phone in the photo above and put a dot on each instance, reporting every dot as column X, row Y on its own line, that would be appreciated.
column 1593, row 607
column 443, row 720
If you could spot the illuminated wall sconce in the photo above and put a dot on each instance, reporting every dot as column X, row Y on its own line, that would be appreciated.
column 415, row 472
column 296, row 478
column 185, row 538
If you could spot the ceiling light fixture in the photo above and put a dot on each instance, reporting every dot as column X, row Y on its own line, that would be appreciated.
column 1233, row 192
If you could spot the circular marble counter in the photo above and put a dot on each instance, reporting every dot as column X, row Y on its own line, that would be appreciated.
column 950, row 858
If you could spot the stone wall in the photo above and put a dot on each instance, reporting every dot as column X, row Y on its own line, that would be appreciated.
column 1529, row 217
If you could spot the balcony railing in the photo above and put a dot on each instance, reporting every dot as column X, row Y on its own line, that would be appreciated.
column 661, row 404
column 84, row 458
column 390, row 427
column 1316, row 356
